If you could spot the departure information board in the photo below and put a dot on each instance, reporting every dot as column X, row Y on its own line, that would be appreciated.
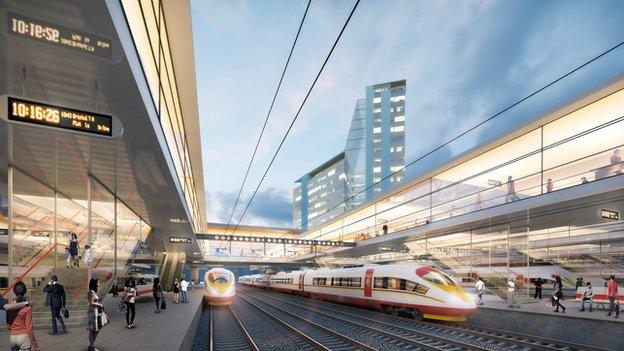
column 59, row 117
column 57, row 35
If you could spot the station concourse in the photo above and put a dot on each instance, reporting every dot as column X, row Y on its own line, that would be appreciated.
column 102, row 188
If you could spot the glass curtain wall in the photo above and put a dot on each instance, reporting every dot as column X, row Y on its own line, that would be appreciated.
column 43, row 222
column 580, row 147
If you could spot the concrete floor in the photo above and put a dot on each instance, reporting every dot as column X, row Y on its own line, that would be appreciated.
column 168, row 330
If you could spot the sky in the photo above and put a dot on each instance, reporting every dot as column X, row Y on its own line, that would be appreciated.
column 464, row 61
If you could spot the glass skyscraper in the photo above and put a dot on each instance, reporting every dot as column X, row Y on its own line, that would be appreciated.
column 372, row 161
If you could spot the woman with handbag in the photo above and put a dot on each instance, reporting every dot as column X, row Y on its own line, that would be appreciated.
column 157, row 293
column 93, row 313
column 129, row 296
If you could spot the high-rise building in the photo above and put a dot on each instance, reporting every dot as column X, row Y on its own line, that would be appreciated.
column 372, row 161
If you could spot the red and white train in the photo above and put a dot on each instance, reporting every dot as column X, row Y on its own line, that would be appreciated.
column 421, row 291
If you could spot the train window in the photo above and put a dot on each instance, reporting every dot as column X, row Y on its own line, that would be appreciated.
column 399, row 284
column 355, row 282
column 415, row 287
column 437, row 278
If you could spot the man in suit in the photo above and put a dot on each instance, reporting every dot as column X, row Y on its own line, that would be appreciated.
column 56, row 300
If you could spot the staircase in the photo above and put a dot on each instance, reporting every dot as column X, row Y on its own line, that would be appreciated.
column 71, row 279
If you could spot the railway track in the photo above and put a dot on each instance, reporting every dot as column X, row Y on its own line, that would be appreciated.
column 372, row 334
column 221, row 330
column 483, row 338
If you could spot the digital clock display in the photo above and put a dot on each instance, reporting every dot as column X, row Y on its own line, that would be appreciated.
column 50, row 33
column 59, row 117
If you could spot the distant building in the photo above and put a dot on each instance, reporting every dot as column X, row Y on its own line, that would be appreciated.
column 375, row 148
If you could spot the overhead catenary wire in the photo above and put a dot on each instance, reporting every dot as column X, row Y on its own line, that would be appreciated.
column 266, row 119
column 500, row 112
column 305, row 99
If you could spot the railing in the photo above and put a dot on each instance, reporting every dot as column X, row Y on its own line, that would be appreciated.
column 442, row 203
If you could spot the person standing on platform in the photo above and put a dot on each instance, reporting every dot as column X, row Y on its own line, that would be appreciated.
column 129, row 298
column 192, row 284
column 157, row 293
column 588, row 296
column 183, row 288
column 511, row 288
column 56, row 300
column 94, row 309
column 558, row 295
column 73, row 250
column 176, row 291
column 480, row 287
column 19, row 321
column 538, row 288
column 612, row 295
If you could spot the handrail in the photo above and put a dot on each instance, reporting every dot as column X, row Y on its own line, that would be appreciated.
column 76, row 292
column 424, row 196
column 540, row 151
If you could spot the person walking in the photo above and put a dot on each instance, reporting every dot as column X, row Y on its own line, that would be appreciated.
column 511, row 288
column 612, row 295
column 192, row 285
column 558, row 295
column 588, row 296
column 480, row 287
column 19, row 321
column 176, row 291
column 92, row 314
column 86, row 256
column 56, row 300
column 538, row 288
column 183, row 288
column 157, row 293
column 129, row 299
column 67, row 257
column 73, row 250
column 511, row 190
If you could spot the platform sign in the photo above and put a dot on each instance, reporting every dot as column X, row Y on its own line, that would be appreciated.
column 387, row 249
column 492, row 182
column 33, row 112
column 179, row 240
column 57, row 35
column 610, row 214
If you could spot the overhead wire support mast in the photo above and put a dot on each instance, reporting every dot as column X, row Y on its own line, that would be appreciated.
column 266, row 119
column 305, row 99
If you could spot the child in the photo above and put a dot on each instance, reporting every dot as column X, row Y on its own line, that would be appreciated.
column 67, row 257
column 87, row 255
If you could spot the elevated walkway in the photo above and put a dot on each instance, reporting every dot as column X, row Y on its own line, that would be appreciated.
column 173, row 329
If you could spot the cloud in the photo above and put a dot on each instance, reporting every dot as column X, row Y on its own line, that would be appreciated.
column 463, row 62
column 271, row 207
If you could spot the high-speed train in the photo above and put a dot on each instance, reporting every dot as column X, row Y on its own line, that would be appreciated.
column 421, row 291
column 219, row 286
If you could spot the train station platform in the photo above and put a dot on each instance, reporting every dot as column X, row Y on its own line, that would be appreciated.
column 172, row 329
column 536, row 318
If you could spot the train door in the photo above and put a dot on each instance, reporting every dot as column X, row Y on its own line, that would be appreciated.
column 368, row 283
column 301, row 276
